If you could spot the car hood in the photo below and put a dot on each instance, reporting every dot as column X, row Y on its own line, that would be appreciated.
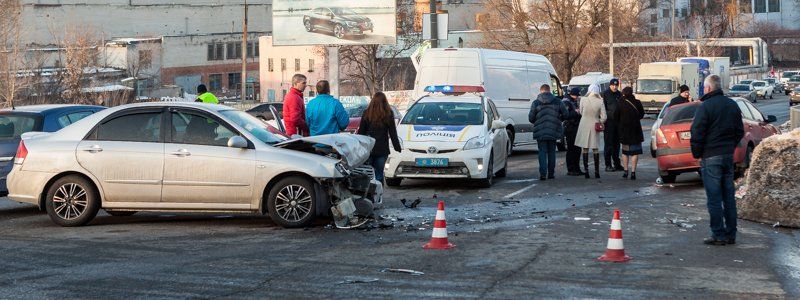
column 439, row 133
column 354, row 18
column 354, row 149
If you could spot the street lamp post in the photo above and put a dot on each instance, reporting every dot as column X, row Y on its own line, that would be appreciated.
column 244, row 54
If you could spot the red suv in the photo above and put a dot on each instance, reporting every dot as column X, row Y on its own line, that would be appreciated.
column 674, row 152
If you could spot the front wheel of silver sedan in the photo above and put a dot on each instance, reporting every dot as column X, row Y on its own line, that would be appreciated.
column 72, row 201
column 292, row 203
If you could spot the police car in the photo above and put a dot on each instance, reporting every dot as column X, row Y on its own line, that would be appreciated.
column 453, row 132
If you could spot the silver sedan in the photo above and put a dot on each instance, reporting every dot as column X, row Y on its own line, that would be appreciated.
column 192, row 157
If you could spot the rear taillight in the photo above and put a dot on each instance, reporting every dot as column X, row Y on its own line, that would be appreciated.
column 661, row 137
column 22, row 153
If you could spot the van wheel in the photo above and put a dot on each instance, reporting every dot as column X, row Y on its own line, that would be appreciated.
column 393, row 182
column 72, row 201
column 489, row 180
column 292, row 202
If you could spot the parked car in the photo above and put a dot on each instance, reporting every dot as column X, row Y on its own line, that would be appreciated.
column 673, row 138
column 654, row 129
column 763, row 89
column 272, row 114
column 451, row 136
column 794, row 96
column 45, row 118
column 337, row 20
column 192, row 157
column 746, row 81
column 745, row 91
column 775, row 83
column 785, row 77
column 793, row 83
column 356, row 113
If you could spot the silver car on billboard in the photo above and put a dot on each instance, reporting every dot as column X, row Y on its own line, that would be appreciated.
column 192, row 157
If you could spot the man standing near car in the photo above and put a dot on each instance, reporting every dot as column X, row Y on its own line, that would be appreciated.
column 572, row 121
column 611, row 98
column 716, row 131
column 683, row 97
column 325, row 114
column 294, row 111
column 204, row 96
column 546, row 115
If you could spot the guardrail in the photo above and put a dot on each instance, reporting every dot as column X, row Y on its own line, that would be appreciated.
column 794, row 116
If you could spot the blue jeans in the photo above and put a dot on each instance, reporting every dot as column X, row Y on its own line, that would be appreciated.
column 547, row 157
column 718, row 181
column 377, row 163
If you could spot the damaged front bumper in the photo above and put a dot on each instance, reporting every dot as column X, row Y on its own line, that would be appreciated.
column 353, row 198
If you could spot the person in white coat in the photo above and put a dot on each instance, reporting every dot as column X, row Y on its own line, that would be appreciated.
column 593, row 112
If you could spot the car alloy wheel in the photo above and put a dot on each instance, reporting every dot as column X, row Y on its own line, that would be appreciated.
column 338, row 31
column 70, row 201
column 307, row 25
column 291, row 202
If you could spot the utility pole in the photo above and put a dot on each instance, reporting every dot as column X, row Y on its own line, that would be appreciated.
column 672, row 19
column 434, row 25
column 610, row 39
column 244, row 54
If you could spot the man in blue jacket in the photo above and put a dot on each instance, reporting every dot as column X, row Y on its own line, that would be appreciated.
column 325, row 114
column 716, row 131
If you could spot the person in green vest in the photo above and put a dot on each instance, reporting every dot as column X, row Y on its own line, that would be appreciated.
column 204, row 96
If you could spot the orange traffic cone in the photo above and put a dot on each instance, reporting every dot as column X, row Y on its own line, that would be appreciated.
column 615, row 251
column 439, row 236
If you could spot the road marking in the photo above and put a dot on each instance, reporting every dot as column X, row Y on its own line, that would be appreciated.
column 520, row 191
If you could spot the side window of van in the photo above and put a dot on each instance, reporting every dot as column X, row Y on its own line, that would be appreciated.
column 555, row 86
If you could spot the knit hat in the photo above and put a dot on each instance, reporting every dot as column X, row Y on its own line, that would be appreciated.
column 683, row 88
column 575, row 91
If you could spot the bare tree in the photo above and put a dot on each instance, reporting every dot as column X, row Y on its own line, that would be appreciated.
column 80, row 60
column 11, row 58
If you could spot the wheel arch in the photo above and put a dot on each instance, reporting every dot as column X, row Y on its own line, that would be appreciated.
column 43, row 194
column 272, row 182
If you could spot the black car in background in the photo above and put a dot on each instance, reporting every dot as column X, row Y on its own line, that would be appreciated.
column 337, row 20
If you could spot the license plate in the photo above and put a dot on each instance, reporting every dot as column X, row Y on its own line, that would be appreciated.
column 686, row 135
column 432, row 162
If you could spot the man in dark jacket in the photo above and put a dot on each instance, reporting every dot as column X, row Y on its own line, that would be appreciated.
column 572, row 121
column 611, row 98
column 546, row 115
column 682, row 98
column 716, row 131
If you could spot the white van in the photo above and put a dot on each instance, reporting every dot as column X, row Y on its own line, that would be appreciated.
column 511, row 80
column 584, row 81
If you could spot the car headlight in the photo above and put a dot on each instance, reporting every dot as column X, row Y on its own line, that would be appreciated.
column 342, row 169
column 475, row 143
column 351, row 24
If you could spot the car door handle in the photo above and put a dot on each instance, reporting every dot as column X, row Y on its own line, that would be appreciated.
column 94, row 149
column 181, row 153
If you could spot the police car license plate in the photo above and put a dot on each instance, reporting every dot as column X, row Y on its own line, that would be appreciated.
column 432, row 162
column 686, row 135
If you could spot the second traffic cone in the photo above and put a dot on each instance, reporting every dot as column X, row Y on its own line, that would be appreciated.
column 439, row 236
column 615, row 251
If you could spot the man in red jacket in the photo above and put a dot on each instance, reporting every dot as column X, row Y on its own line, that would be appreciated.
column 294, row 111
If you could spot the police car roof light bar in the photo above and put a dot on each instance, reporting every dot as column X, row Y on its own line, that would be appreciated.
column 454, row 89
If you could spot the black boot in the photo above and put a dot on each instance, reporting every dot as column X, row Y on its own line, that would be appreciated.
column 633, row 175
column 597, row 165
column 625, row 175
column 586, row 164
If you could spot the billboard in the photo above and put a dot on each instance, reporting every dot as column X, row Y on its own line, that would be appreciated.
column 333, row 22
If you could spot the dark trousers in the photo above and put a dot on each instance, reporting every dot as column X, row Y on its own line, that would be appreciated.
column 612, row 148
column 718, row 181
column 573, row 152
column 547, row 157
column 377, row 163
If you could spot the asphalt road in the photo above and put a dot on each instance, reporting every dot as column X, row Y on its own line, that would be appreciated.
column 518, row 239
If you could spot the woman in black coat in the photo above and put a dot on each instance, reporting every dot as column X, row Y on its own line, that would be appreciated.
column 378, row 123
column 629, row 115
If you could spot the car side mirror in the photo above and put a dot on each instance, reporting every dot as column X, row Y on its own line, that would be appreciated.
column 772, row 119
column 237, row 142
column 497, row 124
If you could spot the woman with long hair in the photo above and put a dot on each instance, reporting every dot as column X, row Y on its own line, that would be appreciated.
column 629, row 116
column 378, row 123
column 593, row 115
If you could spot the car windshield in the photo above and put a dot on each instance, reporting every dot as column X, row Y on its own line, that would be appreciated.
column 680, row 114
column 746, row 81
column 13, row 126
column 356, row 111
column 584, row 89
column 252, row 125
column 444, row 113
column 795, row 78
column 740, row 88
column 654, row 86
column 759, row 83
column 789, row 74
column 341, row 11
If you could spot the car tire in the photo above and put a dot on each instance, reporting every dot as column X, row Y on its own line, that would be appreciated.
column 669, row 178
column 393, row 182
column 307, row 25
column 292, row 203
column 338, row 31
column 489, row 180
column 510, row 135
column 770, row 96
column 504, row 171
column 117, row 213
column 72, row 201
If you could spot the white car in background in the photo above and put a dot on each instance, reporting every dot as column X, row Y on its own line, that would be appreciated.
column 763, row 89
column 451, row 133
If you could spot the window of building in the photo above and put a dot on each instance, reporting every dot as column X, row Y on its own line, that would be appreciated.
column 234, row 81
column 145, row 59
column 665, row 13
column 252, row 49
column 297, row 65
column 652, row 31
column 270, row 65
column 684, row 12
column 653, row 18
column 310, row 65
column 760, row 6
column 215, row 82
column 774, row 5
column 283, row 64
column 234, row 50
column 653, row 3
column 216, row 51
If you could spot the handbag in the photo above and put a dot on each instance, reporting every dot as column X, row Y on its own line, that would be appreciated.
column 599, row 127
